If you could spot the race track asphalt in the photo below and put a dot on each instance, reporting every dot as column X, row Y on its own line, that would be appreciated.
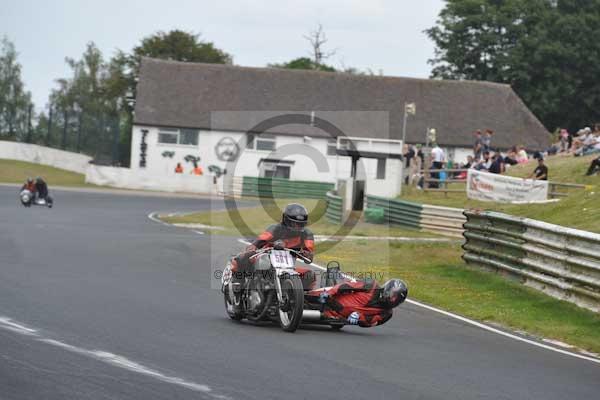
column 107, row 304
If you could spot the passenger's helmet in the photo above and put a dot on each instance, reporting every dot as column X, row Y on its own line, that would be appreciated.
column 393, row 293
column 295, row 217
column 38, row 179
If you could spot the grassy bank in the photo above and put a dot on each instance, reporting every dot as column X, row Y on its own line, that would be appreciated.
column 257, row 218
column 579, row 210
column 436, row 275
column 12, row 171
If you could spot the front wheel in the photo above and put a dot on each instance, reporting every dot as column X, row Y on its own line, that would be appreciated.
column 236, row 316
column 290, row 312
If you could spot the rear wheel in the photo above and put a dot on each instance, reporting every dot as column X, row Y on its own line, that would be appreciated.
column 290, row 312
column 337, row 327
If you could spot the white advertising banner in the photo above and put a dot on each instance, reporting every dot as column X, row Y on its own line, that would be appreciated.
column 485, row 186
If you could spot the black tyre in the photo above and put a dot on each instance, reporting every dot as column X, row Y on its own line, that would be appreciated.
column 236, row 316
column 290, row 314
column 337, row 327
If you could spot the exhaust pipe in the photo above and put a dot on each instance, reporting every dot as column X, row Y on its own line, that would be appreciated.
column 311, row 315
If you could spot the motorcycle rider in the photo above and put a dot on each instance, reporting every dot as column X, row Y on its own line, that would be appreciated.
column 42, row 190
column 290, row 233
column 29, row 185
column 363, row 303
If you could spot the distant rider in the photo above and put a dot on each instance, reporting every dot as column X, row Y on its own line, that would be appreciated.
column 42, row 190
column 29, row 185
column 291, row 232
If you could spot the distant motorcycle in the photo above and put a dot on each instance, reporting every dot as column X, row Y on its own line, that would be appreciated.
column 274, row 292
column 28, row 199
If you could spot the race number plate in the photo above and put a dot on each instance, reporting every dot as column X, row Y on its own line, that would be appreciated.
column 282, row 259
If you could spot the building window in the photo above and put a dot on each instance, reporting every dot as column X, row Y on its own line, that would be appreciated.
column 380, row 168
column 187, row 137
column 332, row 147
column 263, row 142
column 168, row 136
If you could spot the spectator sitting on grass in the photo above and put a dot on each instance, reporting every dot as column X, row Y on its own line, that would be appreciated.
column 594, row 167
column 497, row 166
column 486, row 163
column 522, row 155
column 541, row 171
column 511, row 156
column 469, row 163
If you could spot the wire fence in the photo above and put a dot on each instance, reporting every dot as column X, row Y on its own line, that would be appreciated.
column 106, row 137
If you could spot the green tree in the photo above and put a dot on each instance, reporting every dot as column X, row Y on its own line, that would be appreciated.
column 15, row 101
column 545, row 49
column 303, row 63
column 123, row 70
column 98, row 97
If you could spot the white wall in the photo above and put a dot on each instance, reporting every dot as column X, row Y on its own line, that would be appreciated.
column 304, row 168
column 146, row 180
column 44, row 155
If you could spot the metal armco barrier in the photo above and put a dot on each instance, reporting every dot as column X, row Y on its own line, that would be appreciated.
column 397, row 212
column 334, row 210
column 284, row 188
column 562, row 262
column 441, row 220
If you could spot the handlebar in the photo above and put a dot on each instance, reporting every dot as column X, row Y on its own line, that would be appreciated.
column 269, row 249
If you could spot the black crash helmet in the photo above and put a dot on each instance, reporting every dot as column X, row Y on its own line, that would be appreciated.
column 295, row 217
column 393, row 293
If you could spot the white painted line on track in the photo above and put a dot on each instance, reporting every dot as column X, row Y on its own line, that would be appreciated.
column 153, row 216
column 502, row 333
column 479, row 324
column 109, row 358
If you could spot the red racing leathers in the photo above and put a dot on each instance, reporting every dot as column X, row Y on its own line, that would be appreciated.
column 302, row 241
column 347, row 297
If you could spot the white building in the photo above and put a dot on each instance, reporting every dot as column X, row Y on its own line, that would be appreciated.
column 220, row 113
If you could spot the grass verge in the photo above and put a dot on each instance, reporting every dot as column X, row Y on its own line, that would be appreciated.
column 258, row 218
column 436, row 275
column 12, row 171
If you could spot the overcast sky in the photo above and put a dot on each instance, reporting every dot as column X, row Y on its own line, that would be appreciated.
column 377, row 34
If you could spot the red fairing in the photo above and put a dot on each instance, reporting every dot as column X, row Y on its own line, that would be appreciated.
column 347, row 297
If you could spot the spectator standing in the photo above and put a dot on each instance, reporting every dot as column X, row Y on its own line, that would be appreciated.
column 541, row 172
column 421, row 155
column 564, row 140
column 438, row 158
column 478, row 146
column 487, row 140
column 409, row 155
column 179, row 169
